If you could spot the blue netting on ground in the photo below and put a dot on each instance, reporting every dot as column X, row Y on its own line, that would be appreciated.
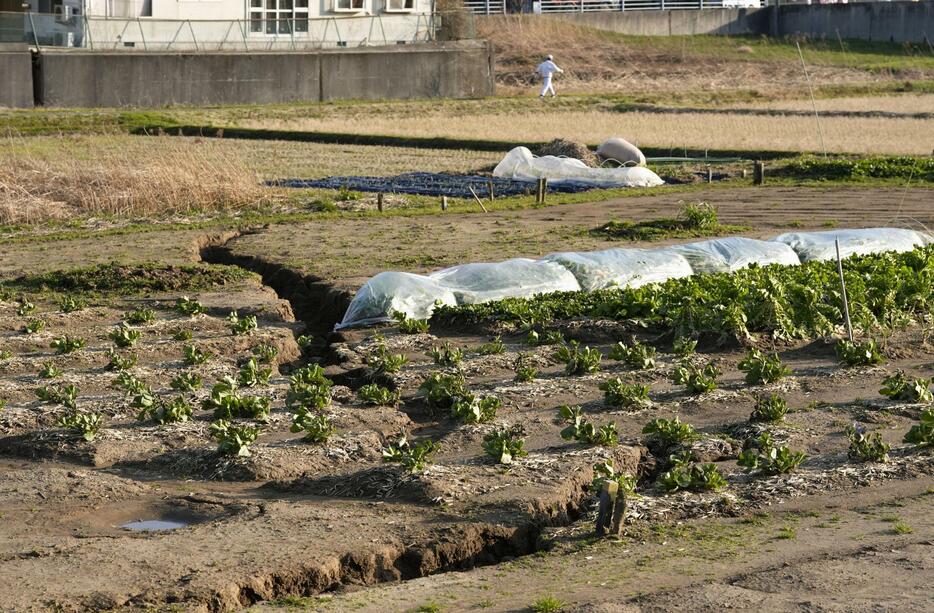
column 429, row 184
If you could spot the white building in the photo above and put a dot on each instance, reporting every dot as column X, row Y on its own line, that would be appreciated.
column 232, row 24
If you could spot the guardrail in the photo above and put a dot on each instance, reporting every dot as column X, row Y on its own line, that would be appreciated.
column 147, row 34
column 494, row 7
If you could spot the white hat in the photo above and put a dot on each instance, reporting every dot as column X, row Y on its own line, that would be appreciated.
column 549, row 57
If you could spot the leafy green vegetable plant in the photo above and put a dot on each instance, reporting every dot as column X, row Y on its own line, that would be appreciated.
column 70, row 304
column 762, row 454
column 696, row 380
column 140, row 316
column 899, row 387
column 378, row 395
column 309, row 389
column 578, row 361
column 189, row 306
column 525, row 369
column 124, row 336
column 584, row 431
column 117, row 362
column 684, row 347
column 177, row 410
column 408, row 325
column 763, row 368
column 494, row 347
column 67, row 344
column 441, row 391
column 684, row 474
column 922, row 433
column 66, row 395
column 49, row 370
column 241, row 326
column 865, row 447
column 413, row 458
column 383, row 362
column 194, row 355
column 667, row 433
column 475, row 410
column 771, row 408
column 251, row 375
column 87, row 425
column 186, row 382
column 265, row 354
column 625, row 395
column 637, row 355
column 25, row 307
column 505, row 443
column 446, row 355
column 317, row 428
column 234, row 439
column 34, row 326
column 862, row 353
column 182, row 335
column 227, row 403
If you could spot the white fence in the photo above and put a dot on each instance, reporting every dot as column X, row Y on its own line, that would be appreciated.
column 147, row 34
column 486, row 7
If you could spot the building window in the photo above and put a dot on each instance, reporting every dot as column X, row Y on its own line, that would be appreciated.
column 400, row 6
column 348, row 6
column 278, row 16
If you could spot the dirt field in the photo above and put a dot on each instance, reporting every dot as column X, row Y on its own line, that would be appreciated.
column 296, row 519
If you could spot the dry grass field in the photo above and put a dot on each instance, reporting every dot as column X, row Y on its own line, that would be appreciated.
column 902, row 103
column 676, row 130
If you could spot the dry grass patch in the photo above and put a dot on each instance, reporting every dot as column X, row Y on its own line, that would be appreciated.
column 693, row 130
column 902, row 103
column 66, row 177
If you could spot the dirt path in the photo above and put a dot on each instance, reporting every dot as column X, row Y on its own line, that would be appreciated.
column 837, row 552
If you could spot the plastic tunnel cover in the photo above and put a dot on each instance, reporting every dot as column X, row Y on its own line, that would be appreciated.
column 516, row 278
column 521, row 165
column 820, row 245
column 733, row 253
column 622, row 267
column 414, row 295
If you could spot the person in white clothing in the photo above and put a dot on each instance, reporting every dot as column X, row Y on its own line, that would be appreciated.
column 546, row 70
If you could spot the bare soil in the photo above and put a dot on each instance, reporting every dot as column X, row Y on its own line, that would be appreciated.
column 295, row 520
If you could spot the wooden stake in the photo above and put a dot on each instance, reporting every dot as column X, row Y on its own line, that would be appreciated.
column 709, row 175
column 605, row 510
column 489, row 187
column 619, row 515
column 379, row 201
column 758, row 173
column 444, row 203
column 477, row 198
column 542, row 190
column 846, row 303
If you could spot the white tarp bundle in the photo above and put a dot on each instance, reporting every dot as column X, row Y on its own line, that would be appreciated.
column 622, row 267
column 734, row 253
column 416, row 295
column 387, row 292
column 820, row 245
column 520, row 165
column 520, row 277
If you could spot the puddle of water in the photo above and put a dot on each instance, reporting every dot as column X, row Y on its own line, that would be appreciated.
column 153, row 525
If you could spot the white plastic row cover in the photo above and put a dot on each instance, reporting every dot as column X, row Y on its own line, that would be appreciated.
column 416, row 295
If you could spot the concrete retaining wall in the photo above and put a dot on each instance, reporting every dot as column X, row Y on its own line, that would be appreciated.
column 731, row 22
column 877, row 21
column 15, row 76
column 91, row 79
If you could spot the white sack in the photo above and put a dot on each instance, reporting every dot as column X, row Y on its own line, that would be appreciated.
column 520, row 165
column 520, row 277
column 820, row 245
column 620, row 150
column 387, row 292
column 733, row 253
column 622, row 267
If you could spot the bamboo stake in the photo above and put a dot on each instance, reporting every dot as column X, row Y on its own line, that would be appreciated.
column 846, row 304
column 820, row 130
column 477, row 198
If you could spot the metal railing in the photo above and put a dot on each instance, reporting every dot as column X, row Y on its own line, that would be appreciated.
column 147, row 34
column 585, row 6
column 486, row 7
